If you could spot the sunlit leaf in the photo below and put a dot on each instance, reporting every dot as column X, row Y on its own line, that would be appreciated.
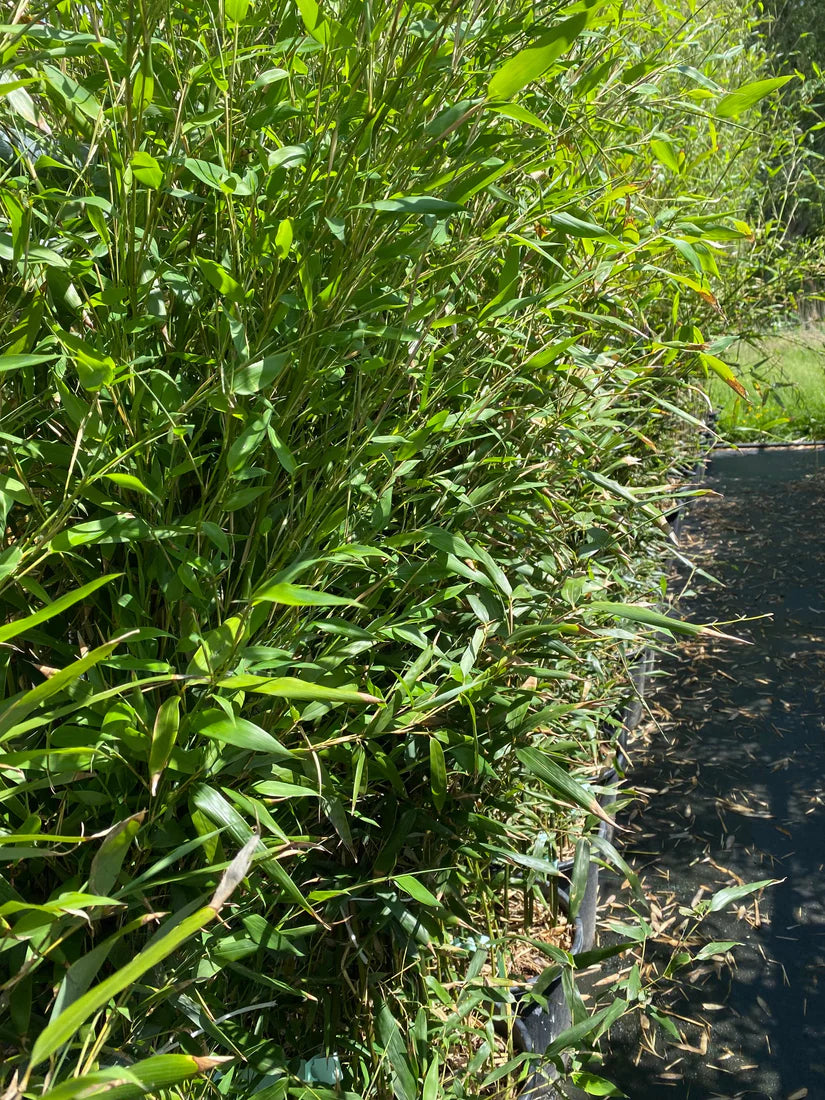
column 734, row 103
column 533, row 62
column 146, row 170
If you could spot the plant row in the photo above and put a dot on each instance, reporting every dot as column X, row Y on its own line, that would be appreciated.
column 348, row 358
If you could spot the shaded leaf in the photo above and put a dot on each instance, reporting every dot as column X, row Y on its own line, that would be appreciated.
column 561, row 782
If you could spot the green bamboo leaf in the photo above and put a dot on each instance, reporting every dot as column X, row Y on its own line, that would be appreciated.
column 519, row 114
column 288, row 156
column 283, row 238
column 611, row 486
column 19, row 708
column 164, row 736
column 294, row 595
column 120, row 528
column 61, row 1029
column 242, row 450
column 84, row 970
column 717, row 947
column 579, row 227
column 213, row 804
column 216, row 808
column 151, row 1075
column 532, row 63
column 270, row 76
column 580, row 875
column 236, row 11
column 725, row 897
column 73, row 902
column 220, row 279
column 413, row 204
column 216, row 177
column 573, row 1036
column 109, row 857
column 594, row 1085
column 314, row 20
column 289, row 687
column 560, row 782
column 734, row 103
column 431, row 1081
column 244, row 735
column 10, row 559
column 46, row 256
column 259, row 375
column 93, row 369
column 146, row 170
column 389, row 1033
column 61, row 604
column 218, row 647
column 73, row 93
column 648, row 617
column 438, row 774
column 58, row 1031
column 169, row 860
column 664, row 152
column 143, row 86
column 18, row 362
column 129, row 481
column 282, row 452
column 613, row 857
column 276, row 788
column 410, row 885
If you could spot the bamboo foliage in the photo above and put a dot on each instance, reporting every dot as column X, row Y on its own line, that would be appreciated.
column 347, row 351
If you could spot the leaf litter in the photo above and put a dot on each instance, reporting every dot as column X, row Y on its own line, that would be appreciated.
column 728, row 776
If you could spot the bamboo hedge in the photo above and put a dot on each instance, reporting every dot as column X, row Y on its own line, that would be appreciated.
column 348, row 357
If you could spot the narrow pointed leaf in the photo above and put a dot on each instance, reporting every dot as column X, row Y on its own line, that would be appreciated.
column 19, row 626
column 290, row 687
column 734, row 103
column 530, row 64
column 560, row 782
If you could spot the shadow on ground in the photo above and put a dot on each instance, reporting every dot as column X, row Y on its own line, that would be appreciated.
column 736, row 759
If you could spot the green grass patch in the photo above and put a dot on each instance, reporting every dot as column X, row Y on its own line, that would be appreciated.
column 784, row 375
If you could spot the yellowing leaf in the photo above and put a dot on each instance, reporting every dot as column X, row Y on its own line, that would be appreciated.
column 151, row 1075
column 723, row 371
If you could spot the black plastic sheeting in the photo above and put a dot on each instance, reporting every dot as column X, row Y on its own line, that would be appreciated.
column 735, row 787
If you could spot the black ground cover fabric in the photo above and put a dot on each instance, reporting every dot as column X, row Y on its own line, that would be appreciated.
column 731, row 778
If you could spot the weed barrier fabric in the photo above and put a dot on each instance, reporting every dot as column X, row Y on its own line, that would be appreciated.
column 731, row 778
